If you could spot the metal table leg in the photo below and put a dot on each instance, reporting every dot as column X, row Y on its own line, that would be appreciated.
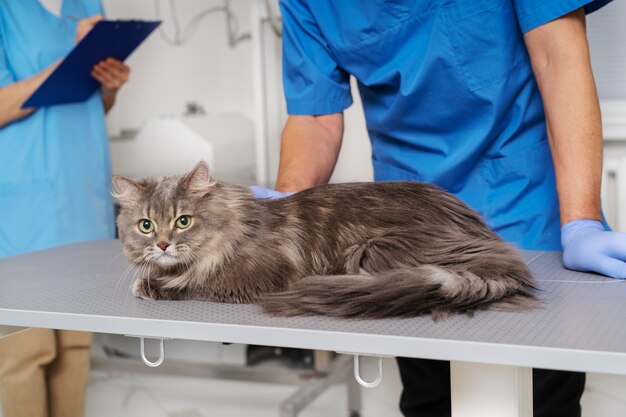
column 354, row 394
column 340, row 371
column 480, row 390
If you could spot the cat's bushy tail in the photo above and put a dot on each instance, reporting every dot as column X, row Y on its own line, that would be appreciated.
column 408, row 292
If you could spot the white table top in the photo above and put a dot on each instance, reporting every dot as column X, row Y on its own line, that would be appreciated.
column 581, row 327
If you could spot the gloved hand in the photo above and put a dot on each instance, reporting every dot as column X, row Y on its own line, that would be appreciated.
column 588, row 247
column 261, row 192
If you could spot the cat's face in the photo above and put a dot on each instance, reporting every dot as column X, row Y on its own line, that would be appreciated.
column 162, row 222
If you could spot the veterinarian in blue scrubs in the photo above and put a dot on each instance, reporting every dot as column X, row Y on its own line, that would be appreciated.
column 493, row 100
column 54, row 189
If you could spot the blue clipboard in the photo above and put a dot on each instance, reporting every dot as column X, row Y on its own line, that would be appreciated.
column 71, row 81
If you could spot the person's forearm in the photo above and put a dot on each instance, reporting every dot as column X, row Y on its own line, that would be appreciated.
column 561, row 64
column 12, row 96
column 309, row 149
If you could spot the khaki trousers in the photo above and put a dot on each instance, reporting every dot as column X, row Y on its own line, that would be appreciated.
column 43, row 373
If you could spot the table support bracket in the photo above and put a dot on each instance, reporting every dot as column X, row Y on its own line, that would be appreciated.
column 142, row 348
column 357, row 369
column 360, row 380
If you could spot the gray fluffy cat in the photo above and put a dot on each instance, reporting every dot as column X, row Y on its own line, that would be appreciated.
column 366, row 250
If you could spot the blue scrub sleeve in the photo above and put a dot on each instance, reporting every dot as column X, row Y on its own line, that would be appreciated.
column 6, row 76
column 314, row 83
column 534, row 13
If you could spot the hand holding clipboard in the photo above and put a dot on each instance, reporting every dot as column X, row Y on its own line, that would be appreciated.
column 72, row 81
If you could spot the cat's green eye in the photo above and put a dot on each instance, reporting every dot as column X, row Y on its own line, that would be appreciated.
column 183, row 222
column 146, row 226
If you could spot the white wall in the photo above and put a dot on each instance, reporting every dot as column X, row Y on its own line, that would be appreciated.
column 206, row 70
column 607, row 38
column 165, row 77
column 354, row 163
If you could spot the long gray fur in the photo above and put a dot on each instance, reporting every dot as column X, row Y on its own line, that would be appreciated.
column 366, row 250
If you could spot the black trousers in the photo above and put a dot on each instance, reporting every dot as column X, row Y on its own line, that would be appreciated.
column 427, row 390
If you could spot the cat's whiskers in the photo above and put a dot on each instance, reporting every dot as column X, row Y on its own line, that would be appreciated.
column 134, row 267
column 190, row 256
column 149, row 270
column 149, row 286
column 186, row 258
column 139, row 270
column 115, row 257
column 121, row 279
column 111, row 261
column 117, row 284
column 183, row 252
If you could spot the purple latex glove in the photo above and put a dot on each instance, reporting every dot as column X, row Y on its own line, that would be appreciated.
column 261, row 192
column 588, row 247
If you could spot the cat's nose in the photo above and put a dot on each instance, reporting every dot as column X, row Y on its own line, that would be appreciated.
column 163, row 245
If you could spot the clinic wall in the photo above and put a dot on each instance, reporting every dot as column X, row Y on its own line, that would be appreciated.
column 164, row 78
column 354, row 162
column 205, row 70
column 607, row 34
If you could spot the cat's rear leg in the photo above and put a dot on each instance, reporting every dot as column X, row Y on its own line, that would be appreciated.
column 472, row 273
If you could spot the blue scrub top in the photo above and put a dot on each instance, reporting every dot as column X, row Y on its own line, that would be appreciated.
column 448, row 93
column 54, row 164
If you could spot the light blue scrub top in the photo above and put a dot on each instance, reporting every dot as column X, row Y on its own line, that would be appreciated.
column 54, row 164
column 448, row 93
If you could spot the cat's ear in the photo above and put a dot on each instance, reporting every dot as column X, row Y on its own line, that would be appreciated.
column 125, row 190
column 199, row 178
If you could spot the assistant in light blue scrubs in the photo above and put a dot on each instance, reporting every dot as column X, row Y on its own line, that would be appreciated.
column 449, row 98
column 54, row 164
column 54, row 190
column 448, row 93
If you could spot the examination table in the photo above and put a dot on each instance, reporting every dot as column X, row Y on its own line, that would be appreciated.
column 580, row 326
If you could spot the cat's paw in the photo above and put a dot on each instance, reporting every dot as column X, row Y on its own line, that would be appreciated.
column 141, row 289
